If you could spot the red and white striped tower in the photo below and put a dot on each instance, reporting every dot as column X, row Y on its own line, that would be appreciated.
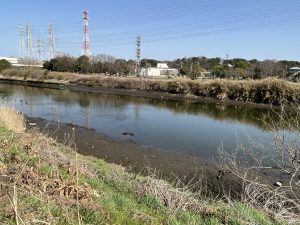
column 86, row 40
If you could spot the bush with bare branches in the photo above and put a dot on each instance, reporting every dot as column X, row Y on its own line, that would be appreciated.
column 270, row 173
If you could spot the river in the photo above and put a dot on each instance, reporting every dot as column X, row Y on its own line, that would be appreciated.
column 189, row 128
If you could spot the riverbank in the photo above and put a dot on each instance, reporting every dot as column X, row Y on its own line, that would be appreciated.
column 43, row 181
column 263, row 92
column 188, row 169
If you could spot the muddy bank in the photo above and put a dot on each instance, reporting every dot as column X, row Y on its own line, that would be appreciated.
column 140, row 159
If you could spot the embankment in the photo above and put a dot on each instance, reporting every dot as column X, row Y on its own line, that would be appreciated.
column 42, row 181
column 268, row 91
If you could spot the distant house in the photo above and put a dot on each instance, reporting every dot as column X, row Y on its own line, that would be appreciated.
column 294, row 69
column 294, row 73
column 161, row 70
column 204, row 74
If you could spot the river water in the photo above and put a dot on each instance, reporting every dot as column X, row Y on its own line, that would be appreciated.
column 191, row 128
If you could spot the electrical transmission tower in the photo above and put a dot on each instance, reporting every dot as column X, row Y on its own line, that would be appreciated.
column 138, row 55
column 29, row 51
column 86, row 41
column 21, row 47
column 39, row 48
column 51, row 42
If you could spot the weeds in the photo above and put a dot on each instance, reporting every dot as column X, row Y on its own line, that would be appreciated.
column 267, row 91
column 12, row 120
column 52, row 184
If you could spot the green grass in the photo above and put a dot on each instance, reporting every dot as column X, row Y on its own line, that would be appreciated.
column 112, row 197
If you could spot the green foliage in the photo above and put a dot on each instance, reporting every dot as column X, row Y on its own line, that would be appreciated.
column 91, row 216
column 4, row 64
column 60, row 64
column 148, row 63
column 151, row 202
column 114, row 199
column 82, row 64
column 45, row 169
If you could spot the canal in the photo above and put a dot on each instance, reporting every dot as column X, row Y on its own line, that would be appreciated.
column 188, row 128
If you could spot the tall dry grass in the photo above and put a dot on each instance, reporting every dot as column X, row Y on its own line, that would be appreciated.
column 267, row 91
column 12, row 120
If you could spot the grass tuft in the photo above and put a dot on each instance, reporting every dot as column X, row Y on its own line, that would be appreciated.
column 12, row 120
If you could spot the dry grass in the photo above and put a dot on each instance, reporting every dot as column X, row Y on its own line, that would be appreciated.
column 12, row 120
column 43, row 182
column 267, row 91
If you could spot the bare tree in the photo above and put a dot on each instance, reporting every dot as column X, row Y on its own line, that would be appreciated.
column 103, row 58
column 270, row 68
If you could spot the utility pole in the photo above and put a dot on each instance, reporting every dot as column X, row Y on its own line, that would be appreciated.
column 86, row 41
column 21, row 38
column 138, row 55
column 51, row 41
column 29, row 51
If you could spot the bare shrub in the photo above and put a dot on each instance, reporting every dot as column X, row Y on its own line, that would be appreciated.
column 270, row 173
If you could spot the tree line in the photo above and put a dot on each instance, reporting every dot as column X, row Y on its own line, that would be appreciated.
column 4, row 64
column 192, row 67
column 100, row 64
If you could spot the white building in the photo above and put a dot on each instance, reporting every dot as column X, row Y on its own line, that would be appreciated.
column 294, row 69
column 161, row 70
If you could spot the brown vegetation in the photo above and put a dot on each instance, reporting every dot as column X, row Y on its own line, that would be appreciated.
column 267, row 91
column 12, row 120
column 43, row 182
column 279, row 159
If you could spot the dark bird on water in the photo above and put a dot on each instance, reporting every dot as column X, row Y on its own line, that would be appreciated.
column 128, row 133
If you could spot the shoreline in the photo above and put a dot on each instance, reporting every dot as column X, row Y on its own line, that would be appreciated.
column 52, row 182
column 55, row 84
column 139, row 159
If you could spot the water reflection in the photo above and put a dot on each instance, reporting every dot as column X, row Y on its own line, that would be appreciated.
column 189, row 127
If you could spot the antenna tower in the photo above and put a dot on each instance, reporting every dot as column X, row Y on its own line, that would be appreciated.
column 138, row 55
column 86, row 40
column 29, row 51
column 51, row 41
column 21, row 48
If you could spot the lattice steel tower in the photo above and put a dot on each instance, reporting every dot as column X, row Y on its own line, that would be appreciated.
column 51, row 42
column 86, row 41
column 21, row 42
column 29, row 51
column 138, row 55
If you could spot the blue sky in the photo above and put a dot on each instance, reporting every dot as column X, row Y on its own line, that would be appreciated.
column 170, row 29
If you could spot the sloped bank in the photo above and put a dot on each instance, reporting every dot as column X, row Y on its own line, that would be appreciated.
column 267, row 91
column 45, row 182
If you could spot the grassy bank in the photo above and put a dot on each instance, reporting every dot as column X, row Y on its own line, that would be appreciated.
column 267, row 91
column 43, row 182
